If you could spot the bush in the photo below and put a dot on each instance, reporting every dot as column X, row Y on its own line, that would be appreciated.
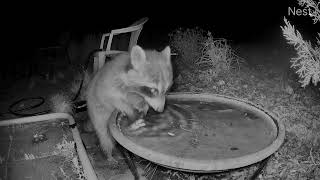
column 188, row 44
column 307, row 62
column 217, row 55
column 313, row 7
column 199, row 50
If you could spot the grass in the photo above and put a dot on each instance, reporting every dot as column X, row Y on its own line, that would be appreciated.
column 298, row 108
column 299, row 157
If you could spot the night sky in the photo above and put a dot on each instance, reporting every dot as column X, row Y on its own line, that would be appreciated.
column 38, row 25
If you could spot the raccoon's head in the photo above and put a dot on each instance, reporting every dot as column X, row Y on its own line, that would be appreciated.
column 150, row 75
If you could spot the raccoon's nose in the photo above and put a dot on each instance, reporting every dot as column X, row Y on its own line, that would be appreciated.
column 157, row 103
column 160, row 108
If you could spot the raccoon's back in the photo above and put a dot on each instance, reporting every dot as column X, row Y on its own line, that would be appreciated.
column 105, row 83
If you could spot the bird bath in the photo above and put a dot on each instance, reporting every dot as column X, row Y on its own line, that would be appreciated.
column 203, row 133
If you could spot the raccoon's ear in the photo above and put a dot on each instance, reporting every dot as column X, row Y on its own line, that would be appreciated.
column 138, row 57
column 167, row 53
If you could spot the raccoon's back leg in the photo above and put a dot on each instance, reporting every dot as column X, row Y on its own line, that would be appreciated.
column 99, row 116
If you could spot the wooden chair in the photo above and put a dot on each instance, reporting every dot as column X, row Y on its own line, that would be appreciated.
column 134, row 29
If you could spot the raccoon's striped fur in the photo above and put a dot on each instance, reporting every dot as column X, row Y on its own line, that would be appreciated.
column 129, row 83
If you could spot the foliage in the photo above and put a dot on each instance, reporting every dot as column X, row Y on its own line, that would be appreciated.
column 307, row 63
column 201, row 51
column 314, row 11
column 188, row 44
column 217, row 54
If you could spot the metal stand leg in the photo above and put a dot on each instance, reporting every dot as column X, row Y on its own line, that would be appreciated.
column 262, row 165
column 132, row 166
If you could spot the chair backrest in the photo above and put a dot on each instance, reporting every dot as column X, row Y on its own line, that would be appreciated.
column 135, row 34
column 135, row 30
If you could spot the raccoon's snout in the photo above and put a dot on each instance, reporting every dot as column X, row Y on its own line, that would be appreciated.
column 159, row 108
column 157, row 103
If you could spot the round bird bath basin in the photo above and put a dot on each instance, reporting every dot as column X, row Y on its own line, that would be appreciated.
column 202, row 133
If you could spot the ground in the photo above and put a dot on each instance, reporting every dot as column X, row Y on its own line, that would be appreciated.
column 263, row 78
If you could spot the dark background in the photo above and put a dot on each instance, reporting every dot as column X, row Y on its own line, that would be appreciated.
column 29, row 26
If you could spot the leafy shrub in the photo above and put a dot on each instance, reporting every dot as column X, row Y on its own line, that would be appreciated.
column 313, row 7
column 307, row 62
column 188, row 44
column 199, row 50
column 217, row 55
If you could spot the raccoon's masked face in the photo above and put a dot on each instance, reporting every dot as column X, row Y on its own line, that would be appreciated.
column 151, row 75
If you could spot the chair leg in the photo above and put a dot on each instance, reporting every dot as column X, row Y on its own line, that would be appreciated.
column 98, row 61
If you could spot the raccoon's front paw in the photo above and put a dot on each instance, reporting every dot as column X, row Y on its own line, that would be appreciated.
column 109, row 156
column 133, row 116
column 144, row 108
column 137, row 102
column 136, row 125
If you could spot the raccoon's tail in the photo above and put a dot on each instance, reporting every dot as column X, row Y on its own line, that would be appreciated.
column 75, row 102
column 61, row 103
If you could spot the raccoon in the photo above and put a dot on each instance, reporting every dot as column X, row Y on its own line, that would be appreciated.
column 130, row 83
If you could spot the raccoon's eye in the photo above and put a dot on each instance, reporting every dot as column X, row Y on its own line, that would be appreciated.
column 154, row 91
column 149, row 91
